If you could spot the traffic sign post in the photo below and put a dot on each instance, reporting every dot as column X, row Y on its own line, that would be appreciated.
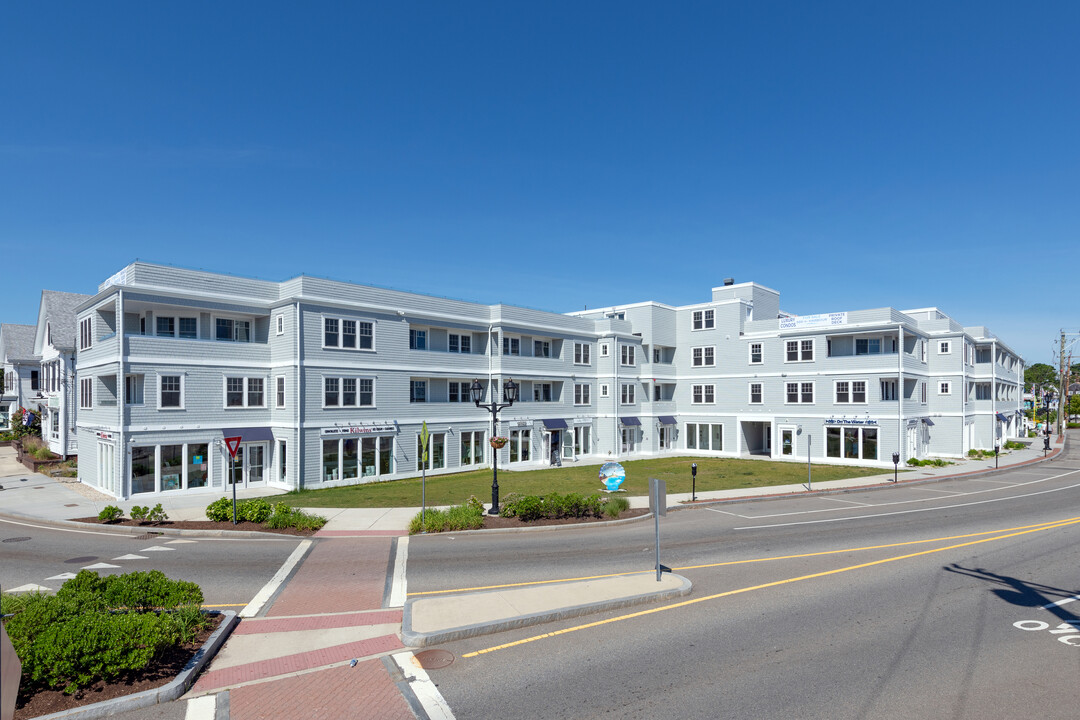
column 233, row 444
column 658, row 505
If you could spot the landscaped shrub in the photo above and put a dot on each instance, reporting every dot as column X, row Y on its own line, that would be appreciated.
column 613, row 507
column 256, row 510
column 110, row 513
column 527, row 508
column 138, row 512
column 220, row 510
column 284, row 516
column 93, row 628
column 1014, row 445
column 467, row 516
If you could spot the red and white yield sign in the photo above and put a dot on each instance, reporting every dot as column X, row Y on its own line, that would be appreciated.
column 233, row 443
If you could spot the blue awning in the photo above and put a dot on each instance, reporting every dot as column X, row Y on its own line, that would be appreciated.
column 630, row 421
column 928, row 421
column 1002, row 418
column 249, row 434
column 555, row 424
column 668, row 420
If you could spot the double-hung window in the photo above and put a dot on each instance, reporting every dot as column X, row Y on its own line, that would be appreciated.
column 581, row 394
column 460, row 343
column 542, row 392
column 755, row 354
column 348, row 334
column 581, row 354
column 417, row 339
column 627, row 394
column 799, row 392
column 280, row 391
column 347, row 392
column 922, row 392
column 244, row 392
column 703, row 394
column 460, row 391
column 418, row 391
column 86, row 393
column 627, row 357
column 542, row 348
column 704, row 356
column 703, row 319
column 171, row 391
column 511, row 346
column 755, row 393
column 133, row 389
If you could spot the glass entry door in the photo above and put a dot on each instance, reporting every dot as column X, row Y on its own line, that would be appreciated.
column 249, row 466
column 787, row 442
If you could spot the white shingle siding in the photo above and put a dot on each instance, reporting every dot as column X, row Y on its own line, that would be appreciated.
column 742, row 314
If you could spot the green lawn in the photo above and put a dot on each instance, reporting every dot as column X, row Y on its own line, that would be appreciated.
column 713, row 474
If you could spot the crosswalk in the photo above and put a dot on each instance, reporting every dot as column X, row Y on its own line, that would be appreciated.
column 57, row 580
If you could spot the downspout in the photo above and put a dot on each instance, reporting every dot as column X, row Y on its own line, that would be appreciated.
column 121, row 445
column 993, row 392
column 901, row 440
column 299, row 398
column 616, row 394
column 491, row 389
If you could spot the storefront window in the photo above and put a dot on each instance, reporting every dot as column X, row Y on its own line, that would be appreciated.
column 832, row 441
column 869, row 444
column 330, row 459
column 350, row 462
column 172, row 467
column 367, row 456
column 142, row 470
column 198, row 466
column 437, row 451
column 851, row 443
column 386, row 455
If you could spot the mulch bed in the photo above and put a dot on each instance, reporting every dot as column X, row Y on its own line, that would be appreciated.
column 198, row 525
column 496, row 521
column 36, row 701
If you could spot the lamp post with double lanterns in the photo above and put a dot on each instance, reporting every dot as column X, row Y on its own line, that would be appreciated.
column 1046, row 408
column 510, row 396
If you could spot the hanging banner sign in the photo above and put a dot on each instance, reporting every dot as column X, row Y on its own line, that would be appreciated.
column 810, row 321
column 358, row 430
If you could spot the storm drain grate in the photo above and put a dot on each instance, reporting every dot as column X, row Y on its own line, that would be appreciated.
column 146, row 536
column 80, row 560
column 434, row 659
column 15, row 539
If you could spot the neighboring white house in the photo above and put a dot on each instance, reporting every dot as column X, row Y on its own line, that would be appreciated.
column 328, row 383
column 21, row 369
column 54, row 344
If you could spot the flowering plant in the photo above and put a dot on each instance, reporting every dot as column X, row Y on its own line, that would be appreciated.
column 498, row 441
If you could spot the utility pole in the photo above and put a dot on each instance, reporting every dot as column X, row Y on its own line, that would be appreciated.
column 1063, row 377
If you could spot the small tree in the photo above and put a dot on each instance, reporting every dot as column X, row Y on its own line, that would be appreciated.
column 1040, row 375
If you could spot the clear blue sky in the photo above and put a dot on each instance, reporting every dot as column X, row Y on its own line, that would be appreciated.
column 555, row 155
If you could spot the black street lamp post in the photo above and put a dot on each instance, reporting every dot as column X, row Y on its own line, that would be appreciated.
column 510, row 395
column 1046, row 438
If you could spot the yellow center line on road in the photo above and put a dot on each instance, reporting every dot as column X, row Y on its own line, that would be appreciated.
column 741, row 562
column 226, row 605
column 775, row 583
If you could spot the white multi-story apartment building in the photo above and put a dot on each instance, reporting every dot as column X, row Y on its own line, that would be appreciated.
column 328, row 382
column 21, row 369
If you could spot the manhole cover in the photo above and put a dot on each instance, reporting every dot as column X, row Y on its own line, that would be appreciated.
column 72, row 505
column 80, row 560
column 18, row 539
column 434, row 659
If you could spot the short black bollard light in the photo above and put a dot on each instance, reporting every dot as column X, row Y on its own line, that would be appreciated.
column 996, row 449
column 693, row 487
column 895, row 465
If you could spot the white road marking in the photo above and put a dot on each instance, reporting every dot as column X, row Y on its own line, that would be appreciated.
column 61, row 576
column 252, row 608
column 113, row 534
column 1059, row 603
column 100, row 566
column 919, row 510
column 201, row 708
column 949, row 492
column 157, row 548
column 398, row 587
column 846, row 501
column 131, row 557
column 177, row 542
column 426, row 692
column 725, row 512
column 30, row 588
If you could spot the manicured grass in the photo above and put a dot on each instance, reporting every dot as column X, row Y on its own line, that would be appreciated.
column 713, row 474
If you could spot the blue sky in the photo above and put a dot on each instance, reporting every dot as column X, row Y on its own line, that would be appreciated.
column 555, row 155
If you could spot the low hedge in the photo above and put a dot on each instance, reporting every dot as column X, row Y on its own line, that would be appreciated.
column 467, row 516
column 259, row 510
column 97, row 628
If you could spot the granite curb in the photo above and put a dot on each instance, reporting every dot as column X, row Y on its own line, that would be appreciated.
column 166, row 693
column 132, row 530
column 422, row 639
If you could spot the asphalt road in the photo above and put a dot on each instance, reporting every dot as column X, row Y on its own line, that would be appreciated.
column 924, row 601
column 230, row 572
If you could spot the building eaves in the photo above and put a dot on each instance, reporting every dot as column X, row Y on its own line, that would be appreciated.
column 17, row 343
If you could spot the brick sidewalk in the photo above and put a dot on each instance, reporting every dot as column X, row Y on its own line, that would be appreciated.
column 338, row 575
column 364, row 691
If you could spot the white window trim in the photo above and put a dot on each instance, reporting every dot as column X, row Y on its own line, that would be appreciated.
column 586, row 351
column 630, row 353
column 459, row 335
column 633, row 393
column 944, row 384
column 586, row 392
column 851, row 391
column 947, row 344
column 750, row 353
column 235, row 319
column 750, row 393
column 341, row 335
column 605, row 390
column 183, row 389
column 284, row 391
column 86, row 332
column 279, row 324
column 508, row 342
column 799, row 384
column 703, row 325
column 86, row 399
column 799, row 342
column 604, row 349
column 703, row 348
column 341, row 392
column 703, row 394
column 225, row 392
